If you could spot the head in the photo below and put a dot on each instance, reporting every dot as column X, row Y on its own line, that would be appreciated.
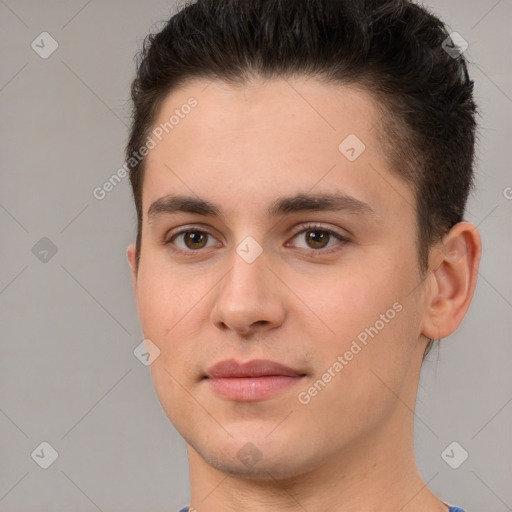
column 274, row 102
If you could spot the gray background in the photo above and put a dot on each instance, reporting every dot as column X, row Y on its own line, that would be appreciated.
column 68, row 374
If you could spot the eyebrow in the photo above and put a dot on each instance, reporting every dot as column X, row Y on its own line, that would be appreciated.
column 171, row 204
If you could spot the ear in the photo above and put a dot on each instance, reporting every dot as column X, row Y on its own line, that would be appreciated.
column 132, row 260
column 453, row 280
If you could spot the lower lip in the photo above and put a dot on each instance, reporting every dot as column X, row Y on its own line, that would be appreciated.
column 251, row 388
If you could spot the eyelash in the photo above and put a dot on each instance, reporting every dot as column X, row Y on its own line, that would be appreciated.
column 304, row 228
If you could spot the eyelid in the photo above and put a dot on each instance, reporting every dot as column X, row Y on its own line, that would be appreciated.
column 319, row 227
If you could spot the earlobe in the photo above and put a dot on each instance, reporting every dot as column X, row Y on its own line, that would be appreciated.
column 132, row 261
column 454, row 278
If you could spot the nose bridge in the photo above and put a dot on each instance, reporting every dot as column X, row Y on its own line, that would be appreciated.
column 246, row 281
column 247, row 296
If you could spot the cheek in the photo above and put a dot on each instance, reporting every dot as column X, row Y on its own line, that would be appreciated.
column 367, row 319
column 169, row 309
column 358, row 383
column 162, row 299
column 344, row 303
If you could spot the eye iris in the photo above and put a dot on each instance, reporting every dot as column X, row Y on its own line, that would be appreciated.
column 196, row 238
column 317, row 239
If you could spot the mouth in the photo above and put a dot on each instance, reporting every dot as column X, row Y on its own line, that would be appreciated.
column 251, row 381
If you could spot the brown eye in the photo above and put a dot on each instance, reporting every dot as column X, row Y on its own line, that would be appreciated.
column 317, row 239
column 190, row 240
column 194, row 239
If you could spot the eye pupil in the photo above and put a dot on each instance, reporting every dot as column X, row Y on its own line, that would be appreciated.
column 317, row 238
column 194, row 237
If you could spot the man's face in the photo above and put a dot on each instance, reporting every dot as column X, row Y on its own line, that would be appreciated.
column 253, row 284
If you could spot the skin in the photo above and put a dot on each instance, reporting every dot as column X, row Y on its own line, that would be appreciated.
column 241, row 148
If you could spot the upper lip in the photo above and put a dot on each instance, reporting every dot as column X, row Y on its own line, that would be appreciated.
column 230, row 368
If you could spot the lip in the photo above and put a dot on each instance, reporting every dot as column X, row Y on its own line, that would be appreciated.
column 231, row 368
column 253, row 380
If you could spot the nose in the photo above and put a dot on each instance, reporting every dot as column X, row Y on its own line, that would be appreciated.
column 249, row 299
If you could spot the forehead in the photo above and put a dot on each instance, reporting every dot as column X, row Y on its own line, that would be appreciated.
column 260, row 139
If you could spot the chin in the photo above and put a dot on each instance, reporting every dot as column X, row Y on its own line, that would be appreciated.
column 266, row 469
column 255, row 459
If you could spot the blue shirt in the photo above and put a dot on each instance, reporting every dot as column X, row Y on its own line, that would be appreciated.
column 452, row 509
